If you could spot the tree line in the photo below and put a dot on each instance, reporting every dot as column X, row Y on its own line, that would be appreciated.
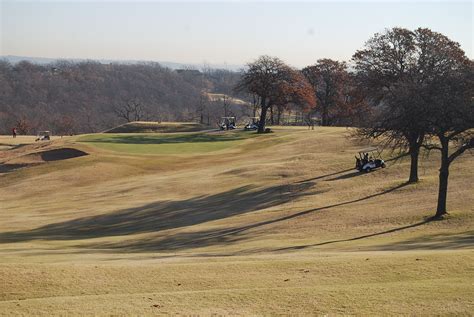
column 83, row 97
column 68, row 97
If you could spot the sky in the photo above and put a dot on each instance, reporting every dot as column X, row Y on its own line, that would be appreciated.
column 217, row 32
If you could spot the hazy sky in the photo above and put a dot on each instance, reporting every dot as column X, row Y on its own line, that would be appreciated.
column 232, row 32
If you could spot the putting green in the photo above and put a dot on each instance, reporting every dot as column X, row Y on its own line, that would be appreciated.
column 157, row 143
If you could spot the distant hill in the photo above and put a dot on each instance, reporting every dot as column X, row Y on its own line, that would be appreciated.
column 172, row 65
column 91, row 97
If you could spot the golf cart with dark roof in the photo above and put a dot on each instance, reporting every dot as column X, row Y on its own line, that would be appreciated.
column 369, row 159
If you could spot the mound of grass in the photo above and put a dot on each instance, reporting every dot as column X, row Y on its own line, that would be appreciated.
column 162, row 127
column 188, row 143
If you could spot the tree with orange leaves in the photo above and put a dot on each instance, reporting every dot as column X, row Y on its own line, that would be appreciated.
column 276, row 84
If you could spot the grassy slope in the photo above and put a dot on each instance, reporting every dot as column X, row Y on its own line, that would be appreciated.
column 271, row 224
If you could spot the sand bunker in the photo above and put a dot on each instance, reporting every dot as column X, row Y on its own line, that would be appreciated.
column 61, row 154
column 36, row 158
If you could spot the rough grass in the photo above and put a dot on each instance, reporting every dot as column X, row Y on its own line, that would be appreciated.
column 273, row 224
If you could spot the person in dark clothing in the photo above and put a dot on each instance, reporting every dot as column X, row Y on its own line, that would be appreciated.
column 14, row 132
column 366, row 159
column 358, row 163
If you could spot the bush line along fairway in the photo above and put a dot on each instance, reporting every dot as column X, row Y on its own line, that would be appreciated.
column 229, row 223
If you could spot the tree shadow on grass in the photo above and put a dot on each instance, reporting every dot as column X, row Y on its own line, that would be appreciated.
column 440, row 241
column 354, row 173
column 159, row 216
column 173, row 242
column 324, row 176
column 300, row 247
column 187, row 240
column 164, row 215
column 346, row 176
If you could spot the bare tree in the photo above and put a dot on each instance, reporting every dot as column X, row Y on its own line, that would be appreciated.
column 64, row 125
column 23, row 125
column 88, row 119
column 225, row 104
column 451, row 122
column 422, row 83
column 255, row 103
column 388, row 71
column 202, row 108
column 132, row 110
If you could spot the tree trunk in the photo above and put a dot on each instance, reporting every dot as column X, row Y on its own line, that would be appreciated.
column 279, row 111
column 255, row 105
column 414, row 154
column 324, row 116
column 443, row 180
column 263, row 117
column 272, row 119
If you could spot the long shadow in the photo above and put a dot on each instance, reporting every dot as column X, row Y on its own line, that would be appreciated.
column 302, row 213
column 346, row 176
column 164, row 215
column 353, row 174
column 158, row 216
column 167, row 139
column 299, row 247
column 324, row 176
column 221, row 236
column 440, row 241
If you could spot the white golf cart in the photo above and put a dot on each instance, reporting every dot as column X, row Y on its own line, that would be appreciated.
column 369, row 159
column 43, row 136
column 228, row 123
column 252, row 124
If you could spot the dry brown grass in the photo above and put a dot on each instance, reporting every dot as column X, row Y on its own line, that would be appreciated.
column 281, row 224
